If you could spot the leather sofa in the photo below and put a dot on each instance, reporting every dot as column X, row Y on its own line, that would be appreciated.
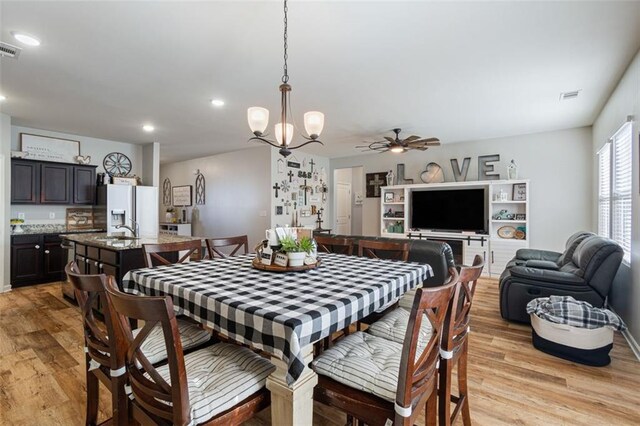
column 585, row 270
column 437, row 254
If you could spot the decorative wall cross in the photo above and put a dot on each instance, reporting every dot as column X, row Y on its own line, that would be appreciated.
column 290, row 174
column 276, row 187
column 319, row 220
column 312, row 164
column 305, row 188
column 376, row 183
column 286, row 205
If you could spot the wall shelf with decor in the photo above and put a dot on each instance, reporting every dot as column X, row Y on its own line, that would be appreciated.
column 506, row 214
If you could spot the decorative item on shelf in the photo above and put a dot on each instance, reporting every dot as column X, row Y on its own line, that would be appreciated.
column 200, row 188
column 400, row 180
column 83, row 159
column 258, row 117
column 182, row 196
column 507, row 232
column 166, row 192
column 512, row 170
column 19, row 154
column 432, row 174
column 388, row 213
column 116, row 164
column 519, row 192
column 296, row 249
column 503, row 215
column 79, row 218
column 521, row 233
column 397, row 145
column 485, row 169
column 398, row 214
column 374, row 182
column 46, row 148
column 100, row 179
column 460, row 175
column 388, row 197
column 390, row 178
column 521, row 216
column 17, row 225
column 118, row 180
column 169, row 216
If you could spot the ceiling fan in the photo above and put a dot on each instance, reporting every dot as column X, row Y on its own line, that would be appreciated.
column 401, row 145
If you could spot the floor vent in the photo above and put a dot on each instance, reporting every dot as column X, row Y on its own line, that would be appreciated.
column 9, row 50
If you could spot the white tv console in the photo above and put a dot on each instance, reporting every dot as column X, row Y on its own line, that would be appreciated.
column 495, row 250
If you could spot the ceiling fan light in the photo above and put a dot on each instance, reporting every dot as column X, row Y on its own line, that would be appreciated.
column 258, row 119
column 397, row 149
column 288, row 133
column 313, row 123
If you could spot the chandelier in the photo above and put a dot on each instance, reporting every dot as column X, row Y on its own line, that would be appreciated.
column 258, row 117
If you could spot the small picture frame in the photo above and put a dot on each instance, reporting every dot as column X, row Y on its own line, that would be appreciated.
column 521, row 216
column 281, row 259
column 279, row 210
column 182, row 195
column 388, row 197
column 519, row 192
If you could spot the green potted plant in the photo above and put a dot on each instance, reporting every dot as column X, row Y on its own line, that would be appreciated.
column 16, row 223
column 296, row 250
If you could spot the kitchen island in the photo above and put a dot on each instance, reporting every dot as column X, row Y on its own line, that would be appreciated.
column 97, row 253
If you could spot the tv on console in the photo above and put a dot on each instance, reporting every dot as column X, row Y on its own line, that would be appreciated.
column 449, row 210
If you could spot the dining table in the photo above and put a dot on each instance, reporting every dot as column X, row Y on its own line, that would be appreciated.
column 280, row 313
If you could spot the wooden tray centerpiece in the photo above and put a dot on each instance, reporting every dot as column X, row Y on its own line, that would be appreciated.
column 256, row 263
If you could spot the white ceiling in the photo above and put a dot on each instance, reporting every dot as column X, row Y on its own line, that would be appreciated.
column 458, row 71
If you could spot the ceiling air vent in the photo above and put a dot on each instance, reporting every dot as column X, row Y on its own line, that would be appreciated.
column 565, row 96
column 9, row 50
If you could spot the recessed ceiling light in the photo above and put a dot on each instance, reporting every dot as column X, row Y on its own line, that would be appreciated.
column 27, row 39
column 148, row 128
column 3, row 98
column 217, row 102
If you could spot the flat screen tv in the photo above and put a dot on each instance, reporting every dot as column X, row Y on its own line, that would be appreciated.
column 452, row 210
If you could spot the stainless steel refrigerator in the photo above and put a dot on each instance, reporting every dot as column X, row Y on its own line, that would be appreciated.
column 128, row 205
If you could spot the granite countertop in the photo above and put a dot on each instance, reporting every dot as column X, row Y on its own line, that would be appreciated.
column 49, row 229
column 103, row 241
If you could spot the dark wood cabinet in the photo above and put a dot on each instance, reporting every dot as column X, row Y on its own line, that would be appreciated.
column 25, row 182
column 55, row 183
column 42, row 182
column 55, row 258
column 36, row 259
column 84, row 185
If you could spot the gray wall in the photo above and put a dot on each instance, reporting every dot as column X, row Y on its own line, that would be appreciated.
column 237, row 198
column 558, row 163
column 624, row 101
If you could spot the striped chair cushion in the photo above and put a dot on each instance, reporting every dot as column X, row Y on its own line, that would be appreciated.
column 393, row 326
column 406, row 301
column 219, row 377
column 154, row 347
column 364, row 362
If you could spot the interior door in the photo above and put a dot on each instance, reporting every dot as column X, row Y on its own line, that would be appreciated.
column 343, row 208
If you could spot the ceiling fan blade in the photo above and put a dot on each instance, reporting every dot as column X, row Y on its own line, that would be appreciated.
column 411, row 139
column 390, row 139
column 429, row 141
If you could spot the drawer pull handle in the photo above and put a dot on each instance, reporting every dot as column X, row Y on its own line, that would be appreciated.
column 37, row 247
column 46, row 252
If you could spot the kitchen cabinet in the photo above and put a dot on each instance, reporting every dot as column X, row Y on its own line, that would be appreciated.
column 99, row 260
column 42, row 182
column 36, row 259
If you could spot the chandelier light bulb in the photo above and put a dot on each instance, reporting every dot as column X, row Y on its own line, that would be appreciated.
column 258, row 118
column 289, row 133
column 313, row 123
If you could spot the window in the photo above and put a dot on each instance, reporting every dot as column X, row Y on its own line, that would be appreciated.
column 614, row 189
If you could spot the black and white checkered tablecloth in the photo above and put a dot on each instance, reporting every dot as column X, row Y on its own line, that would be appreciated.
column 279, row 313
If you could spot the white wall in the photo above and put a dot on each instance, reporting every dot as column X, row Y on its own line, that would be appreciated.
column 5, row 196
column 237, row 193
column 558, row 163
column 96, row 148
column 624, row 101
column 303, row 158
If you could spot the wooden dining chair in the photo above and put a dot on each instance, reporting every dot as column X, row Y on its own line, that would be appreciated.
column 387, row 380
column 381, row 250
column 219, row 385
column 104, row 359
column 235, row 244
column 328, row 244
column 164, row 254
column 455, row 347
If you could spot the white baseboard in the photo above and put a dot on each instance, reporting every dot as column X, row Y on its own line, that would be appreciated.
column 635, row 348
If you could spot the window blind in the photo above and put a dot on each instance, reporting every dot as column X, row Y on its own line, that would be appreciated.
column 621, row 189
column 604, row 191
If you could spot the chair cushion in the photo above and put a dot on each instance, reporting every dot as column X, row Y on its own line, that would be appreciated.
column 393, row 326
column 364, row 362
column 154, row 347
column 219, row 377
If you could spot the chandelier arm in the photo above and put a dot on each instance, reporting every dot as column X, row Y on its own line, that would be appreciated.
column 258, row 138
column 306, row 143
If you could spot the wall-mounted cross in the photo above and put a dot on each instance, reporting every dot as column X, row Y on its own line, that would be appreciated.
column 286, row 205
column 305, row 188
column 376, row 185
column 312, row 164
column 290, row 174
column 276, row 187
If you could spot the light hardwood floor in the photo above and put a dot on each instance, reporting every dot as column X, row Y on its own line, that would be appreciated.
column 511, row 383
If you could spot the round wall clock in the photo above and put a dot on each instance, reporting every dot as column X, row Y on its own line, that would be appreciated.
column 117, row 164
column 432, row 174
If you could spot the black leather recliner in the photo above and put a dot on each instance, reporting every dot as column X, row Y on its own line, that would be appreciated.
column 587, row 274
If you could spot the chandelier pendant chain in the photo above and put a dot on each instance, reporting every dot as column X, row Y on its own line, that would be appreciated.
column 285, row 77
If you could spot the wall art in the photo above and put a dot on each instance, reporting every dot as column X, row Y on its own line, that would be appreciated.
column 432, row 174
column 485, row 170
column 293, row 164
column 182, row 195
column 166, row 192
column 46, row 148
column 280, row 165
column 200, row 188
column 460, row 175
column 519, row 192
column 117, row 164
column 278, row 210
column 400, row 180
column 373, row 183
